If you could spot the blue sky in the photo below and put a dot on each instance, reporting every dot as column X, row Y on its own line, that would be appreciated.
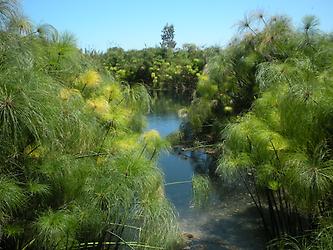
column 134, row 24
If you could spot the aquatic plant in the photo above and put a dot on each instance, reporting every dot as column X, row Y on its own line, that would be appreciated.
column 66, row 179
column 270, row 93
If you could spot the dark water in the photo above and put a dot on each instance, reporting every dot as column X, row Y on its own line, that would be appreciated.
column 227, row 221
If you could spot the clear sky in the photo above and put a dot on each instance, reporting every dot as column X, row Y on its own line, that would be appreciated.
column 134, row 24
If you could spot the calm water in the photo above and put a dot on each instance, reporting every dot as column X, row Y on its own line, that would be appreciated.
column 228, row 221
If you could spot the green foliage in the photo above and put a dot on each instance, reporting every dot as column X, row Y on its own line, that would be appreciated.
column 11, row 196
column 270, row 93
column 54, row 227
column 75, row 168
column 206, row 89
column 285, row 139
column 201, row 190
column 157, row 68
column 198, row 113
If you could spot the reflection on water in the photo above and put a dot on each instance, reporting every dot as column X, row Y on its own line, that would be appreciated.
column 164, row 123
column 227, row 221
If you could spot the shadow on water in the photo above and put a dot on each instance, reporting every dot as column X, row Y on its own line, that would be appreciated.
column 228, row 220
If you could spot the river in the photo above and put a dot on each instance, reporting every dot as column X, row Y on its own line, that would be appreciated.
column 228, row 220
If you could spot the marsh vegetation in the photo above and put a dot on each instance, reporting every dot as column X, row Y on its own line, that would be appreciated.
column 79, row 169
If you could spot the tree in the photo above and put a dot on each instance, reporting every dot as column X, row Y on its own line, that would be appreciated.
column 168, row 35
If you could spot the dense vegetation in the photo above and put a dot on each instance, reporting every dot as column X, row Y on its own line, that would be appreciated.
column 75, row 169
column 157, row 68
column 270, row 92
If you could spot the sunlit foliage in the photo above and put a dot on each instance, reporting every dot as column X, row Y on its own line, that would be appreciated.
column 270, row 92
column 158, row 68
column 73, row 169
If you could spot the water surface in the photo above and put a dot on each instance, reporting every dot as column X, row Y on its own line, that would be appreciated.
column 228, row 220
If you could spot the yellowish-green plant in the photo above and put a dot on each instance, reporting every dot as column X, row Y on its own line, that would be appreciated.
column 90, row 79
column 72, row 173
